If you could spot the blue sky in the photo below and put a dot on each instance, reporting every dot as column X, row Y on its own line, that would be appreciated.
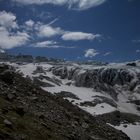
column 103, row 30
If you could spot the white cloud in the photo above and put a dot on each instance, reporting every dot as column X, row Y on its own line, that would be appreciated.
column 137, row 51
column 85, row 4
column 48, row 31
column 8, row 37
column 75, row 36
column 91, row 53
column 46, row 44
column 107, row 53
column 50, row 44
column 72, row 4
column 9, row 40
column 30, row 23
column 40, row 2
column 8, row 20
column 136, row 41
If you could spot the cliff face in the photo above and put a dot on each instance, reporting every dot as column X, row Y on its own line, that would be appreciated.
column 108, row 79
column 103, row 75
column 28, row 112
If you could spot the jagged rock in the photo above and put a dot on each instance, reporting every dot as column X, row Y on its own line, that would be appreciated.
column 53, row 79
column 39, row 69
column 7, row 76
column 104, row 79
column 10, row 96
column 8, row 124
column 102, row 99
column 68, row 84
column 38, row 82
column 5, row 110
column 133, row 64
column 20, row 110
column 65, row 94
column 116, row 118
column 87, row 103
column 136, row 102
column 125, row 125
column 60, row 71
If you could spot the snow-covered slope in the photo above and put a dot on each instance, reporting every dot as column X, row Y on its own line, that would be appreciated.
column 133, row 131
column 99, row 89
column 94, row 88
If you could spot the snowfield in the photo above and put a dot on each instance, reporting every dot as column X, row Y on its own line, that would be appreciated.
column 85, row 94
column 118, row 87
column 133, row 131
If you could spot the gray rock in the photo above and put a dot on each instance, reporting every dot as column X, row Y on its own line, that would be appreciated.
column 8, row 124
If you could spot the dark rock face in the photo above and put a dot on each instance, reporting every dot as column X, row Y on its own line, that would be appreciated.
column 37, row 115
column 7, row 123
column 101, row 79
column 64, row 94
column 88, row 78
column 53, row 81
column 61, row 71
column 41, row 83
column 6, row 74
column 116, row 118
column 133, row 64
column 99, row 100
column 39, row 69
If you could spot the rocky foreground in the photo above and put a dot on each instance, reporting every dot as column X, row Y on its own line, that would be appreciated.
column 29, row 113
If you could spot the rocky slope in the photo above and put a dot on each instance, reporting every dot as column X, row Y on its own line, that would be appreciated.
column 103, row 90
column 29, row 113
column 115, row 85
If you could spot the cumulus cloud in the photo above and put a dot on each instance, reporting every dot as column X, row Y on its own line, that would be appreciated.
column 91, row 53
column 9, row 40
column 8, row 37
column 30, row 23
column 72, row 4
column 75, row 36
column 8, row 20
column 14, row 35
column 48, row 31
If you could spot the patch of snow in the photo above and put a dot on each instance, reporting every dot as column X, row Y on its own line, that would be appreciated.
column 124, row 106
column 133, row 131
column 99, row 109
column 84, row 94
column 27, row 69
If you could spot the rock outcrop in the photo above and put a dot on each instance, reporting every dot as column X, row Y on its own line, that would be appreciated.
column 104, row 79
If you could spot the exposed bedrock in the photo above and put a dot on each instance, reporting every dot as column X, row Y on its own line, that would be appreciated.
column 102, row 79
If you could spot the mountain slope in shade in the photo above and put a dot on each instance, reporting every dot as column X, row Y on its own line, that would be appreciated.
column 28, row 112
column 99, row 89
column 96, row 88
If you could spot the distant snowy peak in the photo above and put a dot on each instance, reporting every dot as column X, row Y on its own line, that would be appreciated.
column 2, row 51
